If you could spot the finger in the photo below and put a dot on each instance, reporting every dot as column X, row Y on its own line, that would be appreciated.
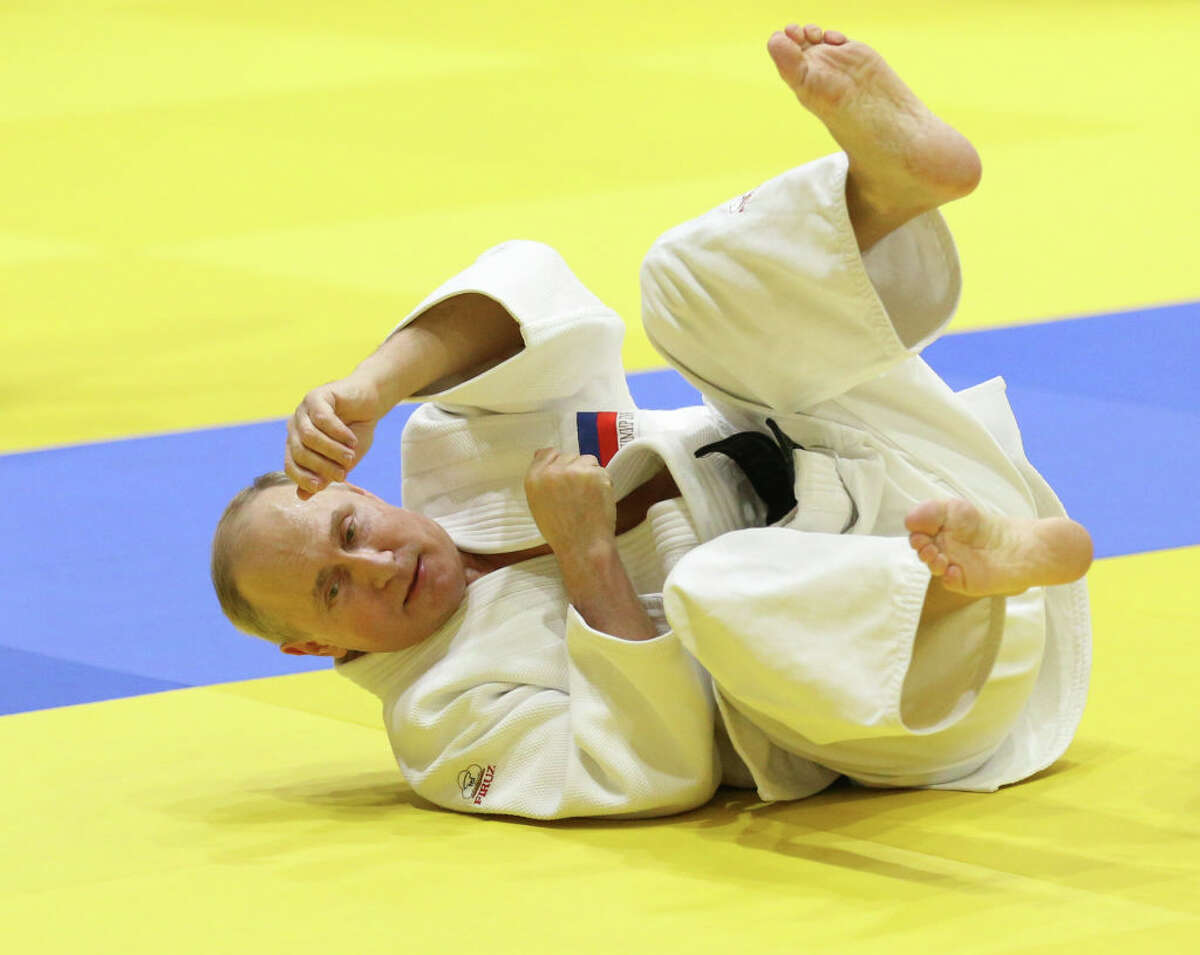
column 307, row 483
column 333, row 427
column 595, row 475
column 316, row 440
column 315, row 464
column 543, row 458
column 537, row 467
column 595, row 471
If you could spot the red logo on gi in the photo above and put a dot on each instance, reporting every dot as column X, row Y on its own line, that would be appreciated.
column 475, row 781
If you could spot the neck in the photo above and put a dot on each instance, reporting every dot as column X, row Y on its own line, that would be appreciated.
column 477, row 565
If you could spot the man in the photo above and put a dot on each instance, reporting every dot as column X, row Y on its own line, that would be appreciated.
column 581, row 612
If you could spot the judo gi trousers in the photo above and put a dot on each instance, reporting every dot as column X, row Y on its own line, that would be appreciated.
column 811, row 629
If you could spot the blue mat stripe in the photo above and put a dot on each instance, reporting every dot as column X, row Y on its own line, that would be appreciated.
column 105, row 573
column 34, row 681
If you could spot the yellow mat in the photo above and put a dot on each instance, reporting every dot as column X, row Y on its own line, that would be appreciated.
column 268, row 816
column 208, row 205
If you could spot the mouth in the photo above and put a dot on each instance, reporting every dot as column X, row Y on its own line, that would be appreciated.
column 416, row 578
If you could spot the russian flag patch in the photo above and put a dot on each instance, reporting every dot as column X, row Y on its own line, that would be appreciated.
column 604, row 433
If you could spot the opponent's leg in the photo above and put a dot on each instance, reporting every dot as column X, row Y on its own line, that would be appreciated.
column 904, row 161
column 978, row 555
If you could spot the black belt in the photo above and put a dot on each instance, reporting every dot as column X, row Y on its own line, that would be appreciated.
column 768, row 466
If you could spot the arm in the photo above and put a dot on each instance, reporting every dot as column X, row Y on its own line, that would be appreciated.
column 514, row 332
column 455, row 339
column 600, row 590
column 333, row 427
column 571, row 499
column 628, row 731
column 518, row 717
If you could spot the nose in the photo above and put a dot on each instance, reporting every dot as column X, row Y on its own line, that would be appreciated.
column 374, row 568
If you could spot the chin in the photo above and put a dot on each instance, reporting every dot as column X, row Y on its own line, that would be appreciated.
column 449, row 610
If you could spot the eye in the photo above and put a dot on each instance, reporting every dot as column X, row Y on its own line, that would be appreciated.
column 331, row 596
column 350, row 533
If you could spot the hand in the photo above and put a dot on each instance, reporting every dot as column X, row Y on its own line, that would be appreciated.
column 330, row 432
column 571, row 499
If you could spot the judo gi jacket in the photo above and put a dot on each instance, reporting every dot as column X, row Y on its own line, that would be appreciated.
column 787, row 655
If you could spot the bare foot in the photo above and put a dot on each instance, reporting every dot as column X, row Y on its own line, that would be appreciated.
column 980, row 554
column 902, row 157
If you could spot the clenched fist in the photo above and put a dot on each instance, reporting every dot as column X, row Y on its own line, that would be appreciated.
column 571, row 499
column 330, row 432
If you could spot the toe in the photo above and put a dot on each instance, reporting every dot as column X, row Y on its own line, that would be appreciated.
column 835, row 37
column 786, row 54
column 953, row 579
column 813, row 33
column 926, row 518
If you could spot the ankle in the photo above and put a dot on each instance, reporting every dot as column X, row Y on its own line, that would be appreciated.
column 873, row 215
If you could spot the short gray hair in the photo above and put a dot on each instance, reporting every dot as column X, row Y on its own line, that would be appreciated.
column 241, row 613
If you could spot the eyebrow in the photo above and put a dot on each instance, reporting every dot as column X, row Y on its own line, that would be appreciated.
column 335, row 523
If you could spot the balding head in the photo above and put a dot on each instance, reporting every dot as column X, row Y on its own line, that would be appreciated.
column 241, row 613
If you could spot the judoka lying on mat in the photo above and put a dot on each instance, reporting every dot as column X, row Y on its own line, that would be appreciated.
column 837, row 565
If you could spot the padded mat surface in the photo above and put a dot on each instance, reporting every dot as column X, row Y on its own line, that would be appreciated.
column 267, row 814
column 209, row 206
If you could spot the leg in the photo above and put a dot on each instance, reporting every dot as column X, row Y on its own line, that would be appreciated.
column 755, row 306
column 973, row 555
column 904, row 161
column 939, row 601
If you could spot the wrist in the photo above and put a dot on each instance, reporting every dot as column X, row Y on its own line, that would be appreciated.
column 592, row 572
column 599, row 588
column 587, row 555
column 379, row 373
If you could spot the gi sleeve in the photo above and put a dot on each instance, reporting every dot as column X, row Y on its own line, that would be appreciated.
column 766, row 301
column 572, row 340
column 618, row 728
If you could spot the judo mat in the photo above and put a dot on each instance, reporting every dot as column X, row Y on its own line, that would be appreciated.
column 210, row 207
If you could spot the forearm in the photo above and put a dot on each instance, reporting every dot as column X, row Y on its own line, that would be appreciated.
column 600, row 589
column 453, row 340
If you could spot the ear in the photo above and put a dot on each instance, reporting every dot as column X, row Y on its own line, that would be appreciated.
column 310, row 648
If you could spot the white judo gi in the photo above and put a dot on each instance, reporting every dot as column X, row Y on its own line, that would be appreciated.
column 785, row 655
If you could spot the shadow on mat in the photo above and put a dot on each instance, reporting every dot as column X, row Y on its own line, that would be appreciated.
column 971, row 842
column 381, row 793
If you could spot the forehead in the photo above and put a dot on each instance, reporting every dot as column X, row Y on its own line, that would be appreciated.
column 282, row 542
column 277, row 515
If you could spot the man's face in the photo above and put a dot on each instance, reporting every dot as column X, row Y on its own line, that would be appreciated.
column 347, row 569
